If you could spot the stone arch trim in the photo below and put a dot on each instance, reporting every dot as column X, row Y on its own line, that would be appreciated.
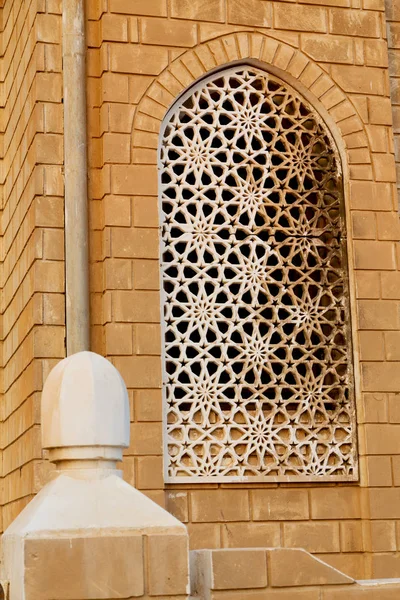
column 284, row 60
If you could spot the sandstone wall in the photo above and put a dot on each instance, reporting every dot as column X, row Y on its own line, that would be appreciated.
column 141, row 55
column 140, row 61
column 31, row 235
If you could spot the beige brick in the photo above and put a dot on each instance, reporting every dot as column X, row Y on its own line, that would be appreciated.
column 394, row 408
column 307, row 18
column 200, row 10
column 371, row 345
column 375, row 314
column 53, row 244
column 118, row 274
column 204, row 535
column 351, row 536
column 292, row 568
column 168, row 557
column 393, row 33
column 382, row 438
column 54, row 181
column 321, row 536
column 367, row 284
column 135, row 243
column 380, row 111
column 148, row 405
column 115, row 87
column 49, row 87
column 279, row 504
column 177, row 503
column 381, row 377
column 392, row 345
column 168, row 33
column 62, row 556
column 352, row 564
column 139, row 7
column 118, row 339
column 383, row 536
column 374, row 4
column 53, row 57
column 378, row 138
column 143, row 60
column 49, row 148
column 147, row 339
column 49, row 341
column 114, row 28
column 116, row 148
column 374, row 255
column 146, row 439
column 53, row 118
column 128, row 469
column 388, row 226
column 117, row 210
column 384, row 167
column 219, row 505
column 327, row 48
column 249, row 12
column 251, row 535
column 145, row 211
column 136, row 306
column 375, row 408
column 379, row 471
column 370, row 196
column 395, row 463
column 139, row 84
column 121, row 118
column 140, row 371
column 150, row 473
column 48, row 28
column 335, row 503
column 146, row 274
column 134, row 179
column 54, row 309
column 361, row 80
column 49, row 276
column 364, row 225
column 354, row 23
column 376, row 54
column 390, row 285
column 386, row 566
column 238, row 569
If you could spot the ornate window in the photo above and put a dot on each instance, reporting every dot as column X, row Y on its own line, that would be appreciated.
column 257, row 350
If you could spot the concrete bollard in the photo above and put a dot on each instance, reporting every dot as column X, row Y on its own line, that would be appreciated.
column 88, row 534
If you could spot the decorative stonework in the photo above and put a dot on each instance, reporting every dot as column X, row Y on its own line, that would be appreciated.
column 257, row 349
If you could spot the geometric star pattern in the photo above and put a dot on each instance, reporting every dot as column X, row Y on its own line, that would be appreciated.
column 258, row 360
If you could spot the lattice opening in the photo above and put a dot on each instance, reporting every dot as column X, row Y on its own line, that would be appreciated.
column 258, row 369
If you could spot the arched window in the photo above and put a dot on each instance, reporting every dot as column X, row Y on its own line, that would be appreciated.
column 257, row 350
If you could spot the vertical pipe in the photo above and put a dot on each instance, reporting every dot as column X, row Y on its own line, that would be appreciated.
column 75, row 161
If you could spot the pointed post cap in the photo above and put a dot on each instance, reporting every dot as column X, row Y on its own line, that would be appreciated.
column 85, row 410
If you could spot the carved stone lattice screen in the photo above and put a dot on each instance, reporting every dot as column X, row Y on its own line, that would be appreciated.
column 257, row 351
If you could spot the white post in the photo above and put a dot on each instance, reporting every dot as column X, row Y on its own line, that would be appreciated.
column 89, row 534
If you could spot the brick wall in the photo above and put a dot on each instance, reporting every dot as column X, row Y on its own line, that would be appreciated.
column 31, row 235
column 139, row 61
column 141, row 55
